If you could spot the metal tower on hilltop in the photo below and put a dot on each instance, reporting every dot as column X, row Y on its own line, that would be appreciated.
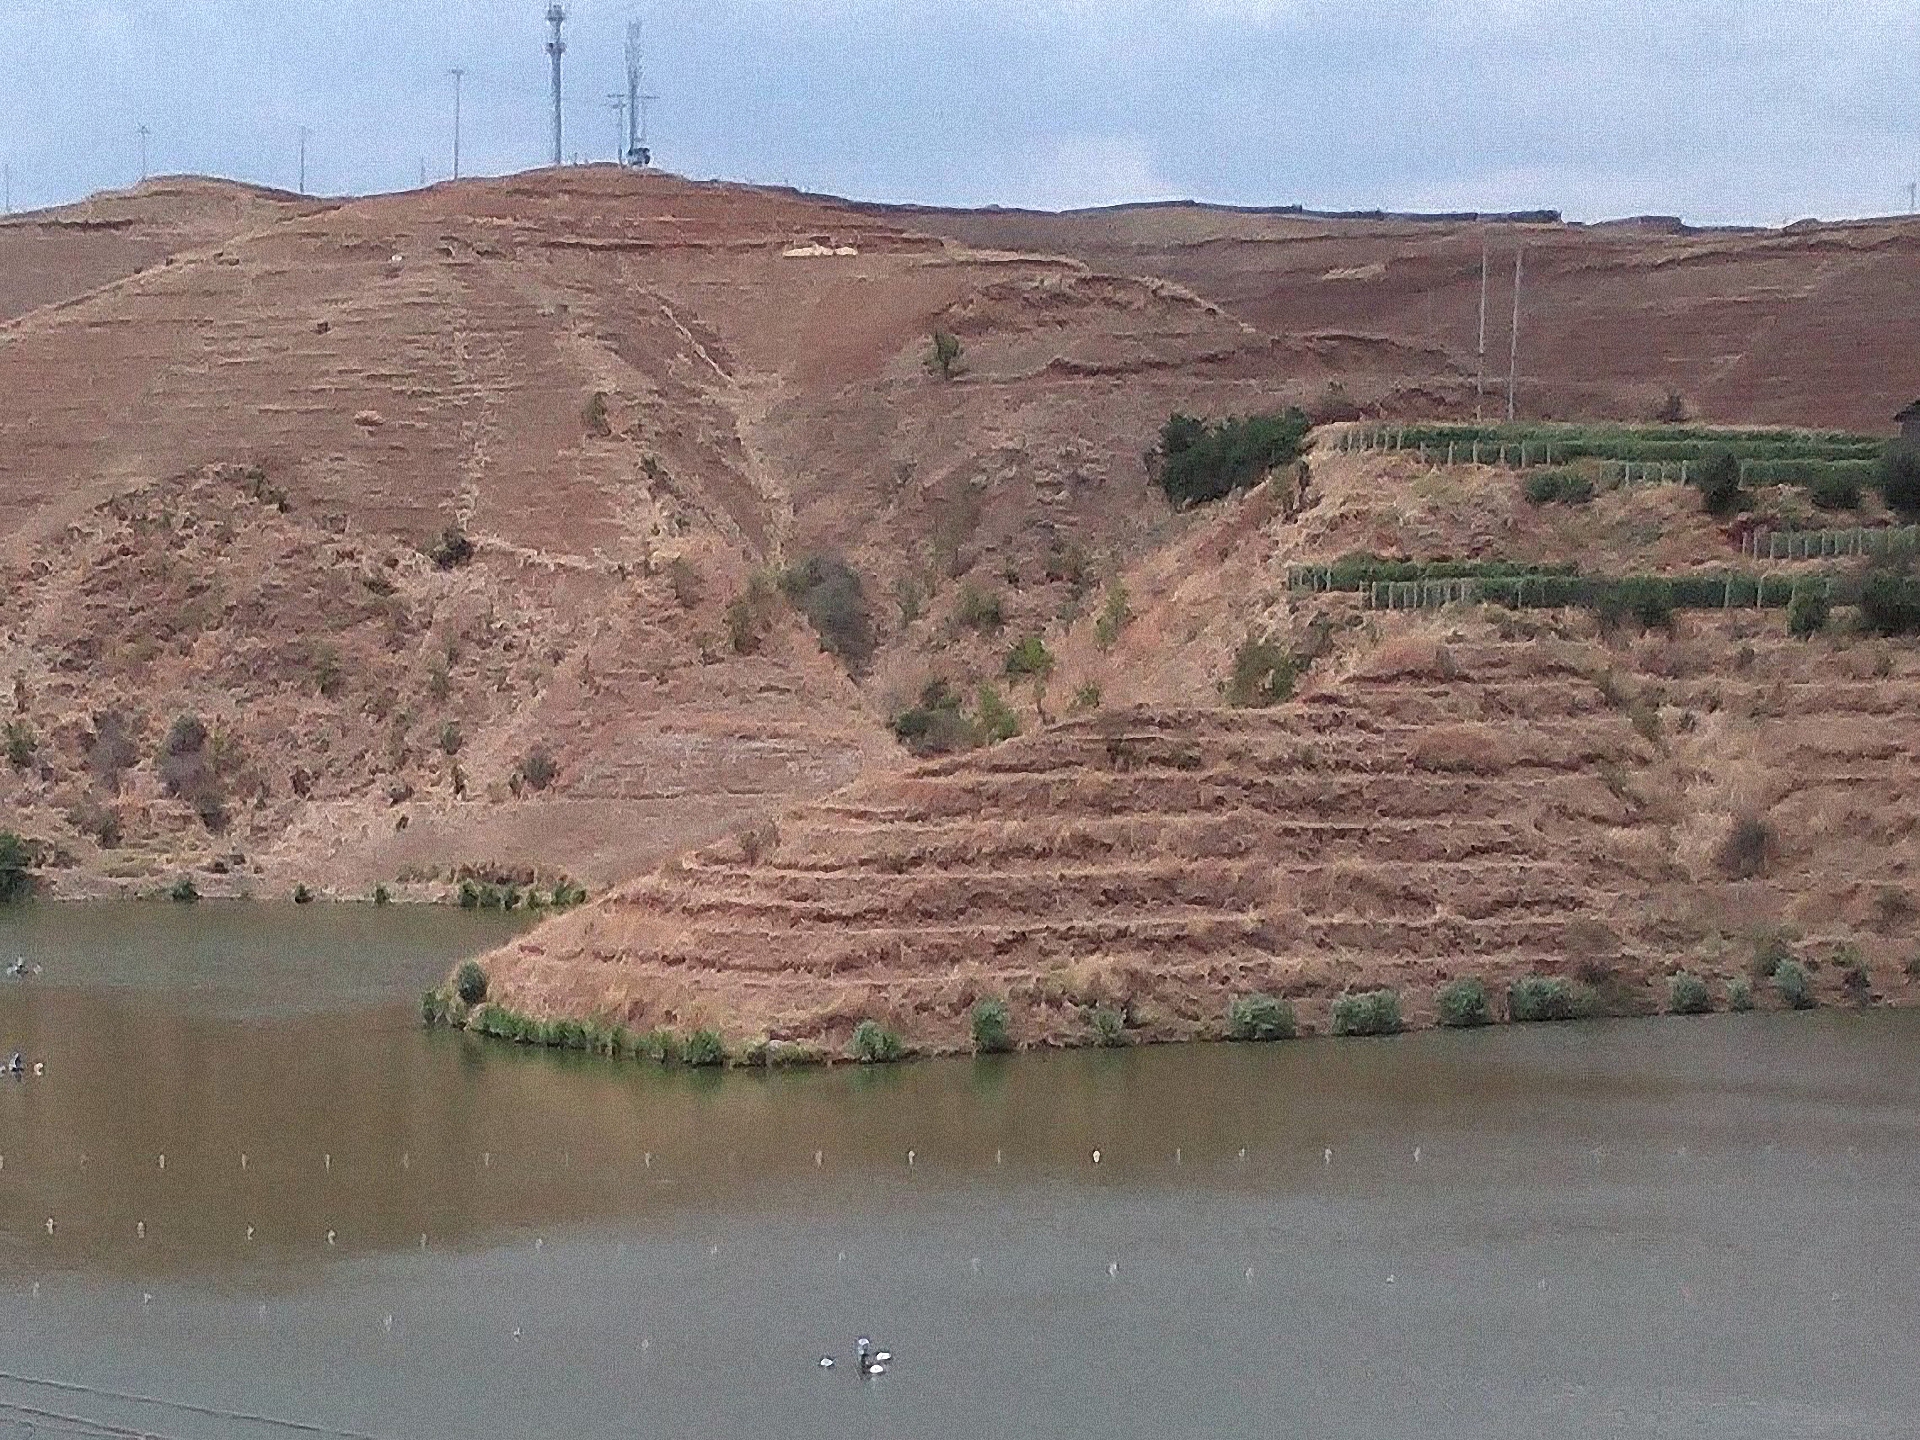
column 638, row 154
column 556, row 47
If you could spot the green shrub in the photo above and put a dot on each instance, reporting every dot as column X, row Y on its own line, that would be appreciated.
column 470, row 982
column 1369, row 1012
column 1264, row 673
column 1740, row 993
column 184, row 891
column 1835, row 490
column 1890, row 603
column 1029, row 657
column 539, row 769
column 1719, row 481
column 1567, row 487
column 1855, row 978
column 1259, row 1017
column 21, row 744
column 1807, row 612
column 1465, row 1004
column 938, row 725
column 302, row 895
column 991, row 1034
column 943, row 354
column 980, row 610
column 660, row 1046
column 1743, row 850
column 997, row 720
column 1109, row 1027
column 433, row 1009
column 17, row 880
column 826, row 590
column 1115, row 612
column 1086, row 699
column 382, row 895
column 1688, row 995
column 1899, row 480
column 1790, row 978
column 1196, row 461
column 1543, row 997
column 469, row 895
column 704, row 1048
column 874, row 1044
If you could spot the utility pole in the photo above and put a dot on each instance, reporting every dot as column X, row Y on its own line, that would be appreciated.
column 303, row 159
column 1513, row 355
column 144, row 133
column 617, row 103
column 1480, row 374
column 556, row 47
column 7, row 185
column 458, row 76
column 1913, row 197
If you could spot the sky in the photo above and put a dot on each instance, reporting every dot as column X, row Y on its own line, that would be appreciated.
column 1722, row 111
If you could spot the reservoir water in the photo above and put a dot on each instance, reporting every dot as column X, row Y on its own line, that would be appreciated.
column 1673, row 1228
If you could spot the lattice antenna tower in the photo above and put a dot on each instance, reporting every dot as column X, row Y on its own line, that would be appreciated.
column 556, row 47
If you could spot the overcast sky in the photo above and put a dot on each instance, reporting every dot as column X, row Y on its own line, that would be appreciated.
column 1721, row 110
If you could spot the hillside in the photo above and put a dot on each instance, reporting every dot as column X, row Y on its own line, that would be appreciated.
column 221, row 476
column 1475, row 791
column 1812, row 325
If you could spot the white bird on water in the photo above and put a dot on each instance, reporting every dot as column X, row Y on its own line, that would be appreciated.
column 1326, row 1155
column 1113, row 1269
column 1416, row 1154
column 1096, row 1157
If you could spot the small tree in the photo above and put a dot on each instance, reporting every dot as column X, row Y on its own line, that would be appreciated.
column 470, row 982
column 1259, row 1017
column 1464, row 1004
column 539, row 769
column 991, row 1034
column 1030, row 657
column 943, row 356
column 1808, row 610
column 874, row 1044
column 1900, row 481
column 1688, row 995
column 1720, row 491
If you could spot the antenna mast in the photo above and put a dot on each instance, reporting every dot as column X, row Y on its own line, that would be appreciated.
column 303, row 159
column 144, row 133
column 459, row 76
column 556, row 47
column 638, row 154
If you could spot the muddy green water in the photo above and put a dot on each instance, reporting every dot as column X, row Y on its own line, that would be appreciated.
column 1686, row 1228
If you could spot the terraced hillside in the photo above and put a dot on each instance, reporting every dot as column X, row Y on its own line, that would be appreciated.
column 1472, row 792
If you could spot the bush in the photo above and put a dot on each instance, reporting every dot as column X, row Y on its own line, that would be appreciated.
column 1370, row 1012
column 452, row 550
column 660, row 1046
column 1808, row 611
column 184, row 891
column 1835, row 490
column 189, row 768
column 1259, row 1017
column 16, row 868
column 382, row 895
column 1109, row 1027
column 997, row 720
column 1465, row 1004
column 874, row 1044
column 1719, row 482
column 704, row 1049
column 943, row 354
column 539, row 769
column 750, row 615
column 451, row 740
column 980, row 610
column 1890, row 603
column 1855, row 978
column 1568, row 487
column 1790, row 978
column 1899, row 480
column 21, row 744
column 1744, row 848
column 1543, row 998
column 1196, row 462
column 988, row 1020
column 595, row 417
column 1115, row 612
column 1688, row 995
column 1740, row 993
column 1264, row 673
column 470, row 982
column 302, row 895
column 825, row 589
column 1029, row 657
column 938, row 725
column 1086, row 699
column 433, row 1009
column 469, row 895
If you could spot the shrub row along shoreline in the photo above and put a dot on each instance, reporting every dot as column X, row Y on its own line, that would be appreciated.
column 1461, row 1004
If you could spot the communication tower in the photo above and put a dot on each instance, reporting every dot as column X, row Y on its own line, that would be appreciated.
column 556, row 47
column 638, row 154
